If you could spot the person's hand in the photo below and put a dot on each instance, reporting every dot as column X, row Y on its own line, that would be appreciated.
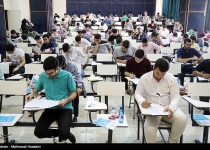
column 35, row 53
column 79, row 91
column 43, row 52
column 77, row 45
column 194, row 58
column 5, row 60
column 28, row 97
column 132, row 76
column 124, row 61
column 146, row 104
column 206, row 76
column 169, row 111
column 195, row 63
column 62, row 102
column 15, row 69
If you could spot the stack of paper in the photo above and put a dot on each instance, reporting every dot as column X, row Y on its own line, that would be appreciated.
column 110, row 124
column 40, row 104
column 157, row 110
column 135, row 81
column 94, row 78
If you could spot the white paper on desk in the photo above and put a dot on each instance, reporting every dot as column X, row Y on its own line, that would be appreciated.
column 42, row 103
column 203, row 79
column 157, row 110
column 37, row 50
column 135, row 81
column 121, row 64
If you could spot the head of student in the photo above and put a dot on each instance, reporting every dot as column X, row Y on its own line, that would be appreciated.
column 139, row 55
column 61, row 61
column 38, row 39
column 187, row 43
column 10, row 48
column 195, row 31
column 13, row 33
column 80, row 33
column 31, row 30
column 193, row 38
column 51, row 67
column 78, row 39
column 114, row 31
column 144, row 42
column 160, row 69
column 125, row 46
column 66, row 48
column 45, row 38
column 119, row 40
column 97, row 38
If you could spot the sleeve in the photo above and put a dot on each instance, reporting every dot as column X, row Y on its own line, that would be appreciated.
column 128, row 67
column 115, row 53
column 201, row 66
column 174, row 95
column 42, row 48
column 158, row 49
column 197, row 53
column 77, row 75
column 22, row 54
column 179, row 54
column 39, row 86
column 52, row 48
column 109, row 46
column 71, row 84
column 140, row 91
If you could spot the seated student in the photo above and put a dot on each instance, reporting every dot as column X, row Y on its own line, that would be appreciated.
column 107, row 21
column 51, row 38
column 156, row 39
column 150, row 36
column 178, row 27
column 81, row 42
column 88, row 30
column 128, row 27
column 47, row 47
column 55, row 35
column 173, row 37
column 137, row 66
column 112, row 38
column 83, row 34
column 152, row 26
column 103, row 27
column 67, row 18
column 72, row 68
column 190, row 57
column 82, row 17
column 15, row 37
column 118, row 42
column 203, row 70
column 1, row 73
column 75, row 55
column 32, row 33
column 64, row 23
column 64, row 91
column 151, row 89
column 149, row 47
column 164, row 32
column 63, row 32
column 139, row 35
column 25, row 38
column 88, row 21
column 170, row 24
column 181, row 38
column 17, row 57
column 121, row 55
column 79, row 26
column 39, row 41
column 192, row 32
column 194, row 44
column 9, row 41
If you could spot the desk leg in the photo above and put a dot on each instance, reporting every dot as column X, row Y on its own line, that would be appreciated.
column 109, row 136
column 6, row 137
column 1, row 98
column 205, row 134
column 134, row 109
column 106, row 102
column 92, row 87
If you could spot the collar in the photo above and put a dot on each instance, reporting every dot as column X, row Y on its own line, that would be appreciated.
column 152, row 77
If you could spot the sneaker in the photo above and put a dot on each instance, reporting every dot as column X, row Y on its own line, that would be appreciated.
column 72, row 138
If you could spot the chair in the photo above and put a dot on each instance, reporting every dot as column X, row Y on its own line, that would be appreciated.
column 165, row 41
column 163, row 126
column 166, row 50
column 104, row 58
column 26, row 49
column 154, row 57
column 22, row 44
column 175, row 68
column 5, row 68
column 69, row 40
column 174, row 45
column 117, row 24
column 44, row 56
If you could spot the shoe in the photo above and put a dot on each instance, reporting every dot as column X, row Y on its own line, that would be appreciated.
column 72, row 138
column 74, row 119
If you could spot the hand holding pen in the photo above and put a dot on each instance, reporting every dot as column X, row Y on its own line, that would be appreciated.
column 132, row 76
column 146, row 104
column 206, row 76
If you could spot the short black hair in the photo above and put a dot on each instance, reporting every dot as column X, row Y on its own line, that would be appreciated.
column 50, row 63
column 126, row 44
column 139, row 53
column 65, row 47
column 55, row 21
column 192, row 37
column 162, row 64
column 31, row 29
column 78, row 24
column 195, row 29
column 114, row 30
column 79, row 31
column 97, row 36
column 175, row 34
column 77, row 38
column 119, row 40
column 37, row 37
column 185, row 36
column 156, row 34
column 187, row 40
column 153, row 33
column 102, row 23
column 45, row 35
column 63, row 19
column 12, row 31
column 87, row 25
column 49, row 34
column 144, row 40
column 10, row 47
column 206, row 31
column 61, row 60
column 83, row 31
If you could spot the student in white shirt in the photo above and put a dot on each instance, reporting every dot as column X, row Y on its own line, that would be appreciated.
column 173, row 37
column 103, row 27
column 161, row 87
column 17, row 57
column 164, row 32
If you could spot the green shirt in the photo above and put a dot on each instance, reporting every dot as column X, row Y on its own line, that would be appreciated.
column 125, row 18
column 58, row 88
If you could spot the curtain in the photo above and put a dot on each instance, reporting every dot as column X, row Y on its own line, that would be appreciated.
column 171, row 8
column 49, row 15
column 207, row 19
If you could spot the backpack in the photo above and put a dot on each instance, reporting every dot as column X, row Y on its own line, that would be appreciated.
column 28, row 58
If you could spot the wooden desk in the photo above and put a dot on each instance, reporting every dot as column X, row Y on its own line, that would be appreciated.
column 5, row 125
column 110, row 132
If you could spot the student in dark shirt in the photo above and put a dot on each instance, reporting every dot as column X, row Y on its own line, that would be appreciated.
column 203, row 70
column 24, row 27
column 137, row 66
column 114, row 36
column 47, row 47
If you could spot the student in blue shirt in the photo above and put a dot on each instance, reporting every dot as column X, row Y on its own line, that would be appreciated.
column 59, row 86
column 189, row 57
column 47, row 47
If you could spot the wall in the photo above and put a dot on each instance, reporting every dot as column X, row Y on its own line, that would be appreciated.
column 159, row 6
column 59, row 7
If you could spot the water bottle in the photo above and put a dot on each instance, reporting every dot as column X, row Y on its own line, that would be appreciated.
column 29, row 90
column 121, row 115
column 113, row 113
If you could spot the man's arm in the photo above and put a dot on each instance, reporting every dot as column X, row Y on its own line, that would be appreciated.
column 155, row 46
column 140, row 91
column 174, row 95
column 23, row 61
column 95, row 49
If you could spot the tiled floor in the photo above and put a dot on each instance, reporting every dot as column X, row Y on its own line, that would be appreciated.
column 94, row 134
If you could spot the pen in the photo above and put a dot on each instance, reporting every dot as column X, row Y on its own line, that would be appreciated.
column 92, row 105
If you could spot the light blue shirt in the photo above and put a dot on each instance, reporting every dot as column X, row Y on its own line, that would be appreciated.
column 58, row 88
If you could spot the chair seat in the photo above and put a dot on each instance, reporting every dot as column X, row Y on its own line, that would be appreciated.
column 164, row 124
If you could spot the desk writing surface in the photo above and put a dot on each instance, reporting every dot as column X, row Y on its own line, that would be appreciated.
column 135, row 81
column 13, row 87
column 15, row 77
column 94, row 63
column 95, row 78
column 121, row 64
column 106, row 116
column 9, row 120
column 196, row 103
column 94, row 105
column 152, row 111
